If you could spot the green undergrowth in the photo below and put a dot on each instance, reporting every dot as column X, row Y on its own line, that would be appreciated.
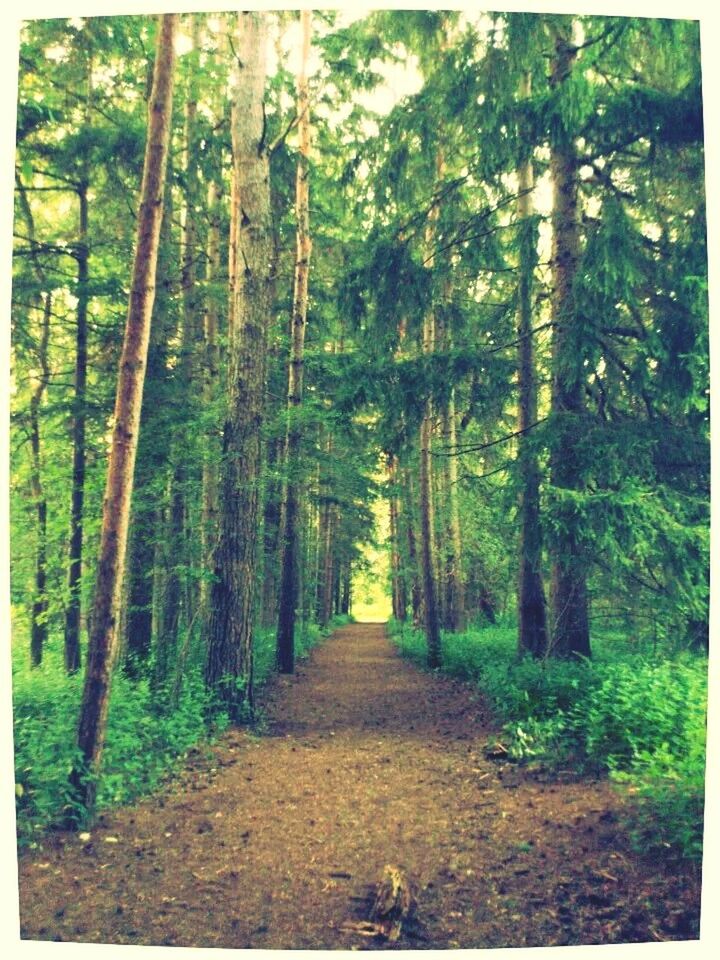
column 637, row 716
column 144, row 743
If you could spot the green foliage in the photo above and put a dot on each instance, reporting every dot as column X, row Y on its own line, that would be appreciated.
column 638, row 718
column 142, row 745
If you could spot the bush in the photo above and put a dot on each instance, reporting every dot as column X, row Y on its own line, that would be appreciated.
column 142, row 743
column 638, row 719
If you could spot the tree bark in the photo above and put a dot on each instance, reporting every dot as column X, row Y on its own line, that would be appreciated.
column 147, row 550
column 77, row 497
column 291, row 527
column 128, row 402
column 38, row 625
column 571, row 635
column 229, row 664
column 532, row 623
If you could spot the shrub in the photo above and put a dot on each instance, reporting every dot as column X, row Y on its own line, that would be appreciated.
column 639, row 719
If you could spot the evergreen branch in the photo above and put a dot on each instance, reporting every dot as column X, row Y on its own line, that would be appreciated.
column 460, row 449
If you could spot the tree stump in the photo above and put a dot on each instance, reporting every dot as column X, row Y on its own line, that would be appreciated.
column 393, row 903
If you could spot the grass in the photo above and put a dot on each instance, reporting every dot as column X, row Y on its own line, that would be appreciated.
column 637, row 716
column 142, row 745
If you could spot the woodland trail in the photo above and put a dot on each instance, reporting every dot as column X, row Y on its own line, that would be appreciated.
column 274, row 841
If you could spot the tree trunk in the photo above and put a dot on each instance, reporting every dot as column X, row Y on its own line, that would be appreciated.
column 146, row 546
column 72, row 611
column 128, row 402
column 426, row 504
column 571, row 634
column 413, row 562
column 38, row 626
column 399, row 587
column 454, row 583
column 229, row 664
column 210, row 392
column 532, row 624
column 291, row 526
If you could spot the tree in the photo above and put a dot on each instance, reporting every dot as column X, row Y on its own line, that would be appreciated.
column 532, row 623
column 229, row 663
column 118, row 489
column 290, row 531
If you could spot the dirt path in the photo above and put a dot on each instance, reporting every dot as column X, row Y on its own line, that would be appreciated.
column 274, row 841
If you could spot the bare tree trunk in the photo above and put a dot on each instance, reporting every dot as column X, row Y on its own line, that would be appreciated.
column 413, row 562
column 291, row 526
column 210, row 388
column 77, row 497
column 399, row 586
column 38, row 626
column 426, row 504
column 229, row 664
column 532, row 621
column 128, row 403
column 571, row 635
column 145, row 547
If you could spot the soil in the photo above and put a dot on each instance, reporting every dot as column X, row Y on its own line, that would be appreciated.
column 276, row 839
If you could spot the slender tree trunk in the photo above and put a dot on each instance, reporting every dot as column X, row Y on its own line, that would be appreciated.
column 118, row 489
column 38, row 625
column 532, row 623
column 571, row 634
column 72, row 611
column 416, row 600
column 145, row 546
column 399, row 587
column 229, row 664
column 428, row 560
column 177, row 599
column 454, row 582
column 291, row 526
column 210, row 392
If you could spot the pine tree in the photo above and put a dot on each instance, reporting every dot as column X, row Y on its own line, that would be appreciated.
column 118, row 491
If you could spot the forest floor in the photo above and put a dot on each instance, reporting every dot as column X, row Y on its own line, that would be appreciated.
column 276, row 839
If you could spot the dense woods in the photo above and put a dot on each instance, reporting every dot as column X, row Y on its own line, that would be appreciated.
column 294, row 287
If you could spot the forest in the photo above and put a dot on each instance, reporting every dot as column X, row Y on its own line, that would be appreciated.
column 360, row 479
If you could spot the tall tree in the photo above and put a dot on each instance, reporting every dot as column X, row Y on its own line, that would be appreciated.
column 229, row 663
column 532, row 623
column 571, row 631
column 118, row 490
column 290, row 548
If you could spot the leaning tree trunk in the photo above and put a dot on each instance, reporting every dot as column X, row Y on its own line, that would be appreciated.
column 128, row 403
column 532, row 625
column 229, row 664
column 291, row 526
column 571, row 634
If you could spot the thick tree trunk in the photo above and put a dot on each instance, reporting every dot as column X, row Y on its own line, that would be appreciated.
column 532, row 623
column 77, row 497
column 291, row 527
column 118, row 489
column 229, row 664
column 571, row 634
column 38, row 625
